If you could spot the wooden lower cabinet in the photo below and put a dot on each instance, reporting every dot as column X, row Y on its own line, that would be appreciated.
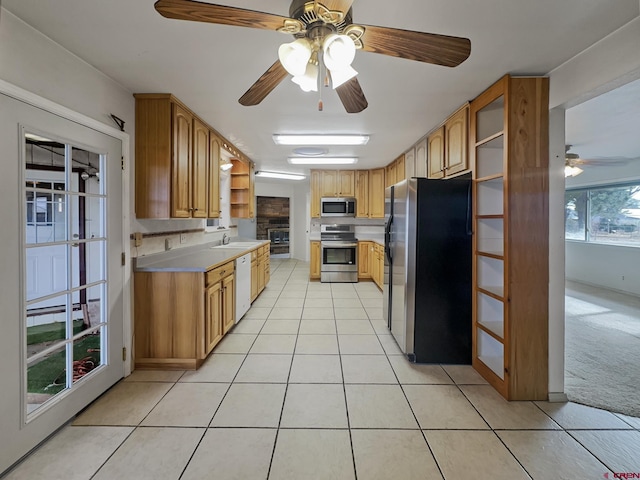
column 228, row 301
column 364, row 260
column 254, row 275
column 179, row 317
column 377, row 263
column 314, row 269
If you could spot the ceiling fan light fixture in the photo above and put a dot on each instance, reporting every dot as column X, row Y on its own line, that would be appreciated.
column 342, row 75
column 571, row 171
column 320, row 139
column 295, row 56
column 339, row 51
column 309, row 81
column 280, row 175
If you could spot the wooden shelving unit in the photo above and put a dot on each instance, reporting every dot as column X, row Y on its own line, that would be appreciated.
column 240, row 189
column 509, row 151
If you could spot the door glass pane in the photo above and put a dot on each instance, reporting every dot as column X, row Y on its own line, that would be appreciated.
column 86, row 354
column 65, row 218
column 46, row 324
column 87, row 262
column 46, row 376
column 45, row 270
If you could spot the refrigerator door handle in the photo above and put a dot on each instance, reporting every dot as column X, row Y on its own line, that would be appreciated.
column 387, row 239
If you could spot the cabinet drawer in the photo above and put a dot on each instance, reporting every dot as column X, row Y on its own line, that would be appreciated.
column 219, row 273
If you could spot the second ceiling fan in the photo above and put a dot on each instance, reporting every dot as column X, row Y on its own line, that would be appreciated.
column 325, row 43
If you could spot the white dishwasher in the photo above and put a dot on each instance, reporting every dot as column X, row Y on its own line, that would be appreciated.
column 243, row 285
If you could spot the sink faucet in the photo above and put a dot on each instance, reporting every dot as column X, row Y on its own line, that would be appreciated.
column 225, row 239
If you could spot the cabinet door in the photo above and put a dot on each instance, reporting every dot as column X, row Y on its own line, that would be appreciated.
column 456, row 143
column 267, row 269
column 346, row 179
column 181, row 163
column 228, row 303
column 316, row 192
column 199, row 173
column 401, row 174
column 421, row 158
column 390, row 174
column 213, row 207
column 363, row 260
column 362, row 193
column 329, row 183
column 260, row 273
column 410, row 163
column 254, row 279
column 435, row 162
column 315, row 260
column 213, row 324
column 376, row 193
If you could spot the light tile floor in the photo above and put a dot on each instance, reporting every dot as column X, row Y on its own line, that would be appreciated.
column 310, row 385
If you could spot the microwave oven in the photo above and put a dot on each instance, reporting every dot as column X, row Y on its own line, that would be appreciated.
column 337, row 207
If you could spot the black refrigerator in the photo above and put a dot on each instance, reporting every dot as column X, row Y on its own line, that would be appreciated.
column 427, row 269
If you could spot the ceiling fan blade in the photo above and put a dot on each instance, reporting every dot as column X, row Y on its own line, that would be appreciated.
column 422, row 47
column 221, row 14
column 352, row 96
column 264, row 85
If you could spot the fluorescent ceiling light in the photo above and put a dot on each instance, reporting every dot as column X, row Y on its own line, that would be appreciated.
column 282, row 175
column 322, row 160
column 320, row 139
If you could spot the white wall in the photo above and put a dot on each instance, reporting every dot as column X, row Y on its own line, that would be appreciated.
column 613, row 61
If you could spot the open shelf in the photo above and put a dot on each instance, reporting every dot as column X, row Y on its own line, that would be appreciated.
column 490, row 197
column 495, row 291
column 490, row 352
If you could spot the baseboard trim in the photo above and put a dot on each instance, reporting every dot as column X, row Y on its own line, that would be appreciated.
column 558, row 397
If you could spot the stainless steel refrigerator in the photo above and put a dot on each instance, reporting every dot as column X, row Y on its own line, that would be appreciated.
column 427, row 270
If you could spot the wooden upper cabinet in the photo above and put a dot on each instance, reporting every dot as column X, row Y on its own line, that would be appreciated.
column 177, row 160
column 376, row 193
column 200, row 177
column 337, row 183
column 316, row 187
column 362, row 193
column 390, row 174
column 435, row 144
column 448, row 146
column 328, row 183
column 401, row 173
column 181, row 164
column 347, row 183
column 410, row 163
column 456, row 142
column 214, row 176
column 421, row 158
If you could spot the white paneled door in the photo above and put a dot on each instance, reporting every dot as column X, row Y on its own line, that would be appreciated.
column 62, row 282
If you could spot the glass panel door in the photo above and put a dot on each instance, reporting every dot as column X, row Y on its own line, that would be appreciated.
column 65, row 250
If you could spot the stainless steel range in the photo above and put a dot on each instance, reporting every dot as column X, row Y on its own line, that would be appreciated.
column 339, row 251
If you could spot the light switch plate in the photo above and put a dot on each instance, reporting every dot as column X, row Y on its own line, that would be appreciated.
column 183, row 238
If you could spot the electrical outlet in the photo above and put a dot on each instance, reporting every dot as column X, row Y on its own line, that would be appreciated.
column 168, row 244
column 183, row 238
column 137, row 238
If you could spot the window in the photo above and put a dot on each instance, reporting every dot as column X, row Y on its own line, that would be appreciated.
column 607, row 214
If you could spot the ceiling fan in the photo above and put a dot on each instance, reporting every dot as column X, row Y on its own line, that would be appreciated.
column 572, row 162
column 326, row 40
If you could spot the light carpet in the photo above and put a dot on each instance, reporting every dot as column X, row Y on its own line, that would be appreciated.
column 602, row 348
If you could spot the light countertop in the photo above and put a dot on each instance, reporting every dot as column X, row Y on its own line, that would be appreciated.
column 198, row 258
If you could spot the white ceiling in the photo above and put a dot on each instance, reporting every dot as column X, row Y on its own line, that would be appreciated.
column 210, row 66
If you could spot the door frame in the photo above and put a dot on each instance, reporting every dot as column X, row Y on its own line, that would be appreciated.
column 42, row 103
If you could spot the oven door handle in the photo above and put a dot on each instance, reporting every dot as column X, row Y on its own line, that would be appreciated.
column 338, row 244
